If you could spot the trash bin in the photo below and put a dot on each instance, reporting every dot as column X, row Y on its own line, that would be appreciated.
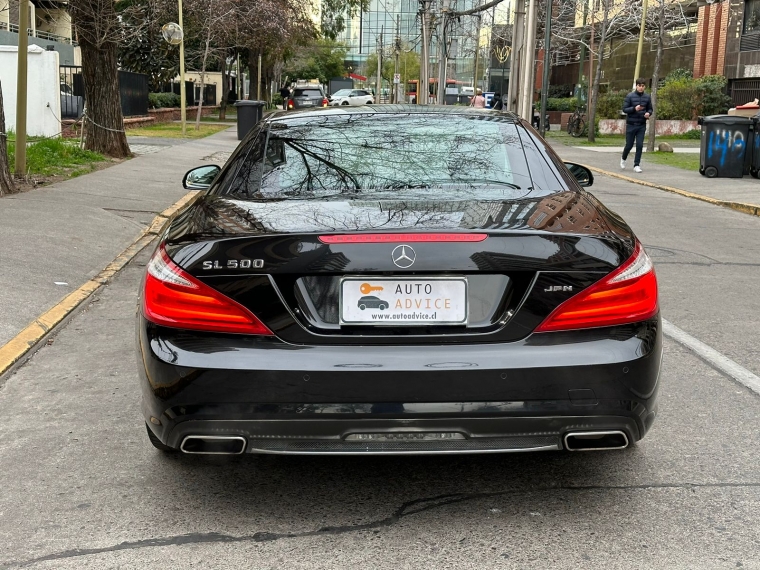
column 726, row 146
column 754, row 147
column 248, row 114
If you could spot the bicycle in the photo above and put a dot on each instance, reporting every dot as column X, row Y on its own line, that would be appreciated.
column 576, row 124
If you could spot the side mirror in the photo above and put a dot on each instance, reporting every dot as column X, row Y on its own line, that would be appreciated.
column 200, row 178
column 581, row 174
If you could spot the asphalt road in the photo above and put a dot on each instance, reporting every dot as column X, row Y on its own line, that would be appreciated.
column 82, row 487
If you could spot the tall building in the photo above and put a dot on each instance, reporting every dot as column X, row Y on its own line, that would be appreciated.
column 49, row 26
column 363, row 32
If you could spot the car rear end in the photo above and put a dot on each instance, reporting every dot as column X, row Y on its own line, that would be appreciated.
column 517, row 324
column 307, row 98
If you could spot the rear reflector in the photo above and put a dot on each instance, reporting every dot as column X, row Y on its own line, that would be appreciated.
column 406, row 238
column 627, row 295
column 173, row 298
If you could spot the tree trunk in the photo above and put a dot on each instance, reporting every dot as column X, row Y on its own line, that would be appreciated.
column 225, row 81
column 104, row 121
column 597, row 79
column 253, row 67
column 6, row 182
column 203, row 82
column 656, row 78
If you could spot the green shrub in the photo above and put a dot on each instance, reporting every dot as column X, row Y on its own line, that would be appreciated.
column 564, row 104
column 678, row 73
column 678, row 100
column 560, row 91
column 686, row 98
column 163, row 100
column 610, row 105
column 711, row 95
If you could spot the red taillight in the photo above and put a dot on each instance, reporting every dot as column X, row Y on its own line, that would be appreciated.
column 290, row 103
column 627, row 295
column 397, row 238
column 325, row 102
column 173, row 298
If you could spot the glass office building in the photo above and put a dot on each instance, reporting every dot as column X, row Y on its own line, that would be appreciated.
column 362, row 34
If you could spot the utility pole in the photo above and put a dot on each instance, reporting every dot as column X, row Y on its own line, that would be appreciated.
column 529, row 65
column 23, row 48
column 396, row 69
column 182, row 91
column 641, row 43
column 516, row 62
column 443, row 20
column 422, row 88
column 545, row 78
column 379, row 85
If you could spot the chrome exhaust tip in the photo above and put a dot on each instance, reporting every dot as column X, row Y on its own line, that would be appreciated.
column 213, row 445
column 595, row 440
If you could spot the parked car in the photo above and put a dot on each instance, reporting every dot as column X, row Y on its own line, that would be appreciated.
column 352, row 97
column 312, row 96
column 519, row 313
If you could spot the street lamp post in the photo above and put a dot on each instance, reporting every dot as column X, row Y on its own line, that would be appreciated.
column 174, row 35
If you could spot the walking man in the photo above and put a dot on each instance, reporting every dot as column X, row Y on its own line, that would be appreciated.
column 285, row 94
column 638, row 108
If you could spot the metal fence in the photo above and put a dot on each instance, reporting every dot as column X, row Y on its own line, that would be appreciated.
column 133, row 92
column 744, row 90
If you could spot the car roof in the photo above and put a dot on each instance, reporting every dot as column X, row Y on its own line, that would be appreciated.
column 392, row 110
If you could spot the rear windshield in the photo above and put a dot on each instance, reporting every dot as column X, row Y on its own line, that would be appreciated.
column 390, row 156
column 307, row 93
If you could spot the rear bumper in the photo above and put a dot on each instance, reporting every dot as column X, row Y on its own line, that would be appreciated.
column 400, row 399
column 397, row 436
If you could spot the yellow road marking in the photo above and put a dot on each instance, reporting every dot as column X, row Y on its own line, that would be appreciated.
column 751, row 209
column 15, row 349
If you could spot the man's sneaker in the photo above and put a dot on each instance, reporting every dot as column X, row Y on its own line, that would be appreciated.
column 637, row 168
column 622, row 164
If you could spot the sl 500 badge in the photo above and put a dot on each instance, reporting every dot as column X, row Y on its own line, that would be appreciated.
column 235, row 264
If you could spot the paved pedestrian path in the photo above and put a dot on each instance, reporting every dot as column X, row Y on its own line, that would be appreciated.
column 619, row 150
column 730, row 190
column 57, row 238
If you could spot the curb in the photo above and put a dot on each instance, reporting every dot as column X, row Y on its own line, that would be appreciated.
column 17, row 350
column 744, row 208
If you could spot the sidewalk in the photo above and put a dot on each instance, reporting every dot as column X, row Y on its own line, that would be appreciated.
column 733, row 190
column 57, row 238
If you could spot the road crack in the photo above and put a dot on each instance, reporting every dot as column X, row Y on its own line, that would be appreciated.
column 409, row 508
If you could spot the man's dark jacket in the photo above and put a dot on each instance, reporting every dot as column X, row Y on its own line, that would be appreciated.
column 629, row 107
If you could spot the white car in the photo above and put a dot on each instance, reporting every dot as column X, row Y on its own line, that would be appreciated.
column 352, row 97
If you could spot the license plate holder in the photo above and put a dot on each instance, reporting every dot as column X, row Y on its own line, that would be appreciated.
column 392, row 301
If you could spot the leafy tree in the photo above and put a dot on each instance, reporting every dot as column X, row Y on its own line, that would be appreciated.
column 148, row 52
column 408, row 66
column 322, row 59
column 334, row 14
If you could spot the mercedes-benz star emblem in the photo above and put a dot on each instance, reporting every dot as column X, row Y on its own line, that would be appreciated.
column 403, row 256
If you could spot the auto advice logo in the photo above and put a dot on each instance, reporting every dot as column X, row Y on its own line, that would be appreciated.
column 403, row 256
